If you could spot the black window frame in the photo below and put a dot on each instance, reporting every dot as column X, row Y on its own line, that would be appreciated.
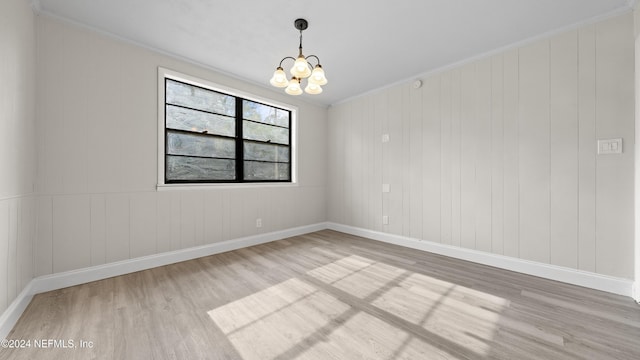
column 238, row 138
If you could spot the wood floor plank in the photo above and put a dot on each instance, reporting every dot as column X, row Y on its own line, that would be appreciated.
column 329, row 295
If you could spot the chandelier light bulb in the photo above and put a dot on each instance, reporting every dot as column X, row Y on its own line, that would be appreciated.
column 317, row 76
column 279, row 78
column 300, row 68
column 294, row 87
column 312, row 88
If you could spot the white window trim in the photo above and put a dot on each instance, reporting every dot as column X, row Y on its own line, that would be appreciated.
column 171, row 74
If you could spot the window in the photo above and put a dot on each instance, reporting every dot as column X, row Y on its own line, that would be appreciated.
column 216, row 136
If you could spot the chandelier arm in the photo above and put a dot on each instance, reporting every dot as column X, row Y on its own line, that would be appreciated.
column 288, row 57
column 310, row 56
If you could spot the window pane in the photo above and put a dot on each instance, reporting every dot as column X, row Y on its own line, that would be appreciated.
column 192, row 120
column 265, row 152
column 190, row 168
column 265, row 113
column 254, row 170
column 266, row 133
column 198, row 98
column 200, row 145
column 203, row 129
column 282, row 117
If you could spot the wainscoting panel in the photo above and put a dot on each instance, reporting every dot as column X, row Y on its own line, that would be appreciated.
column 499, row 154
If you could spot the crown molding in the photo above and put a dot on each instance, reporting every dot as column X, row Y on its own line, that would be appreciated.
column 280, row 96
column 515, row 45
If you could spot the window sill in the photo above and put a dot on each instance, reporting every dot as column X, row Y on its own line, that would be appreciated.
column 226, row 186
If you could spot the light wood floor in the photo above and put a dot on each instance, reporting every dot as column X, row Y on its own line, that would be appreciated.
column 328, row 295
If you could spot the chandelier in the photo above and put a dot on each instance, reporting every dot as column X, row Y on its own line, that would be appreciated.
column 301, row 69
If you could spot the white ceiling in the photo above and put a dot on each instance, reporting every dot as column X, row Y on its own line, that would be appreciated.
column 363, row 44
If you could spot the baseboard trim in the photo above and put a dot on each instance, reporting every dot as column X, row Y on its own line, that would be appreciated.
column 636, row 292
column 10, row 316
column 81, row 276
column 553, row 272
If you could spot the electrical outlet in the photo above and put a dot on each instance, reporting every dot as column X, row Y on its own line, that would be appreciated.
column 385, row 220
column 385, row 138
column 610, row 146
column 386, row 188
column 258, row 223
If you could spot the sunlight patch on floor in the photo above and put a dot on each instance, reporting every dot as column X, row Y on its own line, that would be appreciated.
column 295, row 319
column 273, row 321
column 252, row 308
column 356, row 275
column 443, row 308
column 364, row 336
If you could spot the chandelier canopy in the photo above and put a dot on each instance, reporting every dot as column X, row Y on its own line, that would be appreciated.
column 301, row 69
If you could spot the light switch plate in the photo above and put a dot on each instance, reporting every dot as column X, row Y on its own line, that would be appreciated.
column 385, row 138
column 610, row 146
column 386, row 188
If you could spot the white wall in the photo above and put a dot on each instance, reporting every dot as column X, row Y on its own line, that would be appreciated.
column 97, row 151
column 499, row 155
column 17, row 148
